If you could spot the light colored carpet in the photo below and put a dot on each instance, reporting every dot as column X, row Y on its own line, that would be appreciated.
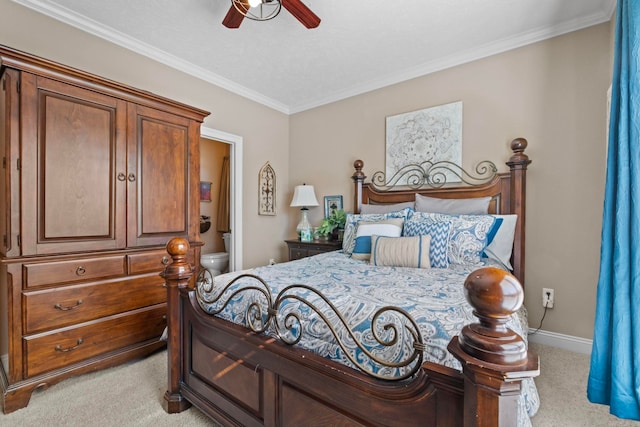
column 131, row 395
column 127, row 395
column 562, row 386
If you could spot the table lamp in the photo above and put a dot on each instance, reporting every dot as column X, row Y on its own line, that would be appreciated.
column 304, row 196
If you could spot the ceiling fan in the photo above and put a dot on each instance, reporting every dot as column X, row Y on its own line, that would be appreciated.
column 262, row 10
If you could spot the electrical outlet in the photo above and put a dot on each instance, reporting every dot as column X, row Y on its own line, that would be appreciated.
column 547, row 297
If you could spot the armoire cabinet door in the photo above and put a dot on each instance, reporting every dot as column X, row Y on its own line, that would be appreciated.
column 158, row 161
column 73, row 168
column 10, row 147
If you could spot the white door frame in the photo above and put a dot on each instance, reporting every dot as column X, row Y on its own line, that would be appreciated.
column 235, row 211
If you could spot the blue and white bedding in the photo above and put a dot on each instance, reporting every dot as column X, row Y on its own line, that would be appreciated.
column 434, row 297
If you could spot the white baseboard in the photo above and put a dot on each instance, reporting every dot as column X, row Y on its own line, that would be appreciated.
column 566, row 342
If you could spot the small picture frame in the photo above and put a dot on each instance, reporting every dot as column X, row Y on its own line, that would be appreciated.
column 332, row 203
column 205, row 191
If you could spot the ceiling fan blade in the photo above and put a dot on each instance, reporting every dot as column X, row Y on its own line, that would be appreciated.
column 233, row 18
column 302, row 13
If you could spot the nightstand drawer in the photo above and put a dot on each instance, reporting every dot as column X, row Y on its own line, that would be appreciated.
column 60, row 272
column 297, row 253
column 46, row 352
column 299, row 249
column 54, row 308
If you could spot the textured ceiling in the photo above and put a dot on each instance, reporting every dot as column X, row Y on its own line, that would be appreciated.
column 359, row 45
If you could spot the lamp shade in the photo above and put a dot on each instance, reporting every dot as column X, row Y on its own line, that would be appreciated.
column 304, row 195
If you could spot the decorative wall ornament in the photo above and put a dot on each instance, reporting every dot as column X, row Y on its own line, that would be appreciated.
column 267, row 190
column 432, row 134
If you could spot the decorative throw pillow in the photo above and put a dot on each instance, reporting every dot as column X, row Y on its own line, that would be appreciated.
column 382, row 209
column 390, row 227
column 351, row 223
column 400, row 251
column 469, row 235
column 501, row 246
column 472, row 206
column 439, row 235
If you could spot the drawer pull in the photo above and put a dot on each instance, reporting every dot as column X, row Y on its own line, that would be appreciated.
column 64, row 350
column 121, row 176
column 165, row 260
column 71, row 307
column 80, row 270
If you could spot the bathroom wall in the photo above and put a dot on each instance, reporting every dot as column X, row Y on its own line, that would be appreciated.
column 211, row 155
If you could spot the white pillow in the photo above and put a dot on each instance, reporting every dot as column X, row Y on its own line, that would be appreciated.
column 390, row 228
column 351, row 224
column 472, row 206
column 501, row 246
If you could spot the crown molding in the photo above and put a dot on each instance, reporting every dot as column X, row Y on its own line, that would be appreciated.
column 461, row 58
column 107, row 33
column 112, row 35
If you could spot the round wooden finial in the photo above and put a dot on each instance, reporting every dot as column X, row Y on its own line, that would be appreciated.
column 494, row 295
column 518, row 159
column 178, row 246
column 358, row 175
column 518, row 145
column 177, row 271
column 494, row 292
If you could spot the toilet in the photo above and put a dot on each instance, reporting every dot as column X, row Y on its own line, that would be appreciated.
column 216, row 263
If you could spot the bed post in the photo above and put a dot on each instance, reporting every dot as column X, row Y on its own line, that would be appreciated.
column 518, row 165
column 494, row 358
column 176, row 275
column 358, row 179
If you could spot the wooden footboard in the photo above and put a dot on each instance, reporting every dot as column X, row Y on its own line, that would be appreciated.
column 239, row 377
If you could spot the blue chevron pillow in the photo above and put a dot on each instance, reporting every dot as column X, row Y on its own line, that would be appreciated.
column 439, row 232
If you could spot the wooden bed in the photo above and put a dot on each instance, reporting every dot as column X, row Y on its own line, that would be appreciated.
column 242, row 378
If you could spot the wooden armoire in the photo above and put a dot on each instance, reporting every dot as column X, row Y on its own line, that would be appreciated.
column 97, row 178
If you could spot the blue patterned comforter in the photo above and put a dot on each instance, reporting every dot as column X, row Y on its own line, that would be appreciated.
column 433, row 297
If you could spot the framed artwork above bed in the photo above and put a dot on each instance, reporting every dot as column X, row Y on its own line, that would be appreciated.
column 430, row 135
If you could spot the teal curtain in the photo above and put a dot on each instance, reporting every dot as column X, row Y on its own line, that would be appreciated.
column 614, row 377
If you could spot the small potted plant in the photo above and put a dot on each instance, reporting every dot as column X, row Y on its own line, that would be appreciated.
column 332, row 227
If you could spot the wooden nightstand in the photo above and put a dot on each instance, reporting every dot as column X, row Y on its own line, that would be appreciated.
column 298, row 249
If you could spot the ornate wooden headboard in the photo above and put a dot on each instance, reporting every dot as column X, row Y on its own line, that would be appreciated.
column 507, row 191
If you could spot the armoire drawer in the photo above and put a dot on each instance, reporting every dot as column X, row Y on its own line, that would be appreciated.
column 53, row 308
column 49, row 351
column 82, row 269
column 147, row 262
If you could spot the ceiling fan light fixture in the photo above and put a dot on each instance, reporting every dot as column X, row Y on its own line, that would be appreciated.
column 258, row 10
column 263, row 10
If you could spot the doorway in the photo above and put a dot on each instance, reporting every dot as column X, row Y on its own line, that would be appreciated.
column 235, row 191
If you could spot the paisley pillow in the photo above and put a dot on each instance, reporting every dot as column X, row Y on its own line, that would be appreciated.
column 469, row 236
